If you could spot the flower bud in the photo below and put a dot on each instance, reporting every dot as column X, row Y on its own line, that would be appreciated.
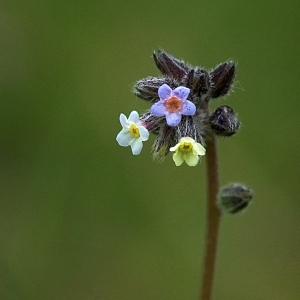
column 147, row 88
column 235, row 197
column 169, row 65
column 198, row 81
column 224, row 121
column 222, row 78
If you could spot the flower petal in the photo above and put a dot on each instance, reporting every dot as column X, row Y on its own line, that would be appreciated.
column 158, row 109
column 123, row 138
column 123, row 121
column 134, row 117
column 173, row 119
column 191, row 159
column 144, row 133
column 200, row 150
column 173, row 149
column 181, row 92
column 136, row 147
column 186, row 139
column 189, row 108
column 164, row 92
column 178, row 159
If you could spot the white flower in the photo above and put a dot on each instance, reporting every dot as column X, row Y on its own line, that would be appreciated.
column 187, row 150
column 133, row 133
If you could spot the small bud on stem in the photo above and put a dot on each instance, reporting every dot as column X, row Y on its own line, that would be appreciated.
column 224, row 121
column 235, row 198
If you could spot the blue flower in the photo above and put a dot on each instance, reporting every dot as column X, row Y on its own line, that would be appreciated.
column 173, row 104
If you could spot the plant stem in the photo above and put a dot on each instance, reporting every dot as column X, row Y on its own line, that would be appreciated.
column 213, row 219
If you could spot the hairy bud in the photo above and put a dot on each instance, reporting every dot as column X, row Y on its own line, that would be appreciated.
column 147, row 88
column 235, row 197
column 222, row 78
column 169, row 65
column 198, row 81
column 224, row 121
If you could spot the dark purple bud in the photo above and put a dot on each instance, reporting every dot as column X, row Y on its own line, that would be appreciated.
column 235, row 198
column 147, row 88
column 169, row 65
column 198, row 81
column 224, row 121
column 222, row 78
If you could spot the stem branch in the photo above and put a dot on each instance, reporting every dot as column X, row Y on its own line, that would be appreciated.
column 213, row 219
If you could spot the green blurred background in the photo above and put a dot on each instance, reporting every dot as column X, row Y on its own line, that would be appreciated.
column 80, row 218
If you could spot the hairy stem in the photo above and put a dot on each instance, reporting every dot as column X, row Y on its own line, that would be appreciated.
column 213, row 219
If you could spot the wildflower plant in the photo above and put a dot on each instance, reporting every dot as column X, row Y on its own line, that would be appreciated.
column 180, row 117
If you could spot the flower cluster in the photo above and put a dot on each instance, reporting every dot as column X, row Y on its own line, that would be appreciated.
column 179, row 114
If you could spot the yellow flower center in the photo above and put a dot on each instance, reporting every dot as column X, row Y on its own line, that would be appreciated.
column 134, row 131
column 173, row 105
column 186, row 147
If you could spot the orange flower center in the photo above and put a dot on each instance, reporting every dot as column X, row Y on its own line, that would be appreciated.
column 173, row 105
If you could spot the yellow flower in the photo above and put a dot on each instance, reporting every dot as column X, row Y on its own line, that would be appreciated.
column 187, row 150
